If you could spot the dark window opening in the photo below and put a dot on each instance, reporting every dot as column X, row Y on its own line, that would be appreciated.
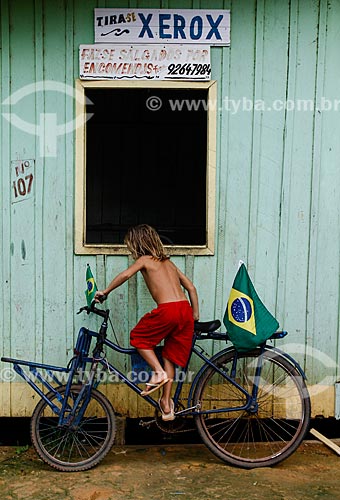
column 146, row 166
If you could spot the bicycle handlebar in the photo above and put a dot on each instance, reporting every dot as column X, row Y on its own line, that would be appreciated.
column 92, row 309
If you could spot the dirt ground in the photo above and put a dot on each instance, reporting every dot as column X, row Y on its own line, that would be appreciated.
column 169, row 472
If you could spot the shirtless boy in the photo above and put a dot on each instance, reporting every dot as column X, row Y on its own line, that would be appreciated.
column 172, row 320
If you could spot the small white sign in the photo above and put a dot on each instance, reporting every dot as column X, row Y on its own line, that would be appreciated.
column 147, row 62
column 209, row 27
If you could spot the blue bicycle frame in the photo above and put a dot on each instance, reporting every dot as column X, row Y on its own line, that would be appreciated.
column 72, row 414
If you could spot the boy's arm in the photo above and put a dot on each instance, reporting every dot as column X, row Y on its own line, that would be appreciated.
column 121, row 278
column 191, row 289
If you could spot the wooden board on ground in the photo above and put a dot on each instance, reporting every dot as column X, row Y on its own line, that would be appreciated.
column 325, row 440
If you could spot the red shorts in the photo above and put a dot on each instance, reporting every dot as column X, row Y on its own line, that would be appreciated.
column 172, row 322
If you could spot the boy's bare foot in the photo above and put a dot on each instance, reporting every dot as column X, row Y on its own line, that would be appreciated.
column 167, row 409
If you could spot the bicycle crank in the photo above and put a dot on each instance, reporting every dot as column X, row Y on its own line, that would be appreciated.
column 177, row 425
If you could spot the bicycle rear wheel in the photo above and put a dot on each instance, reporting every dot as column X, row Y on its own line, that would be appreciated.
column 73, row 449
column 273, row 429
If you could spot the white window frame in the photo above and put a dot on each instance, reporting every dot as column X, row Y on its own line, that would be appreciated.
column 80, row 163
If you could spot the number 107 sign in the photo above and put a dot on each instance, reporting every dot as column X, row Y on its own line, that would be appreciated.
column 22, row 179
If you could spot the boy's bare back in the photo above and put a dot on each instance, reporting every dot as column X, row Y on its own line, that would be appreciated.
column 163, row 280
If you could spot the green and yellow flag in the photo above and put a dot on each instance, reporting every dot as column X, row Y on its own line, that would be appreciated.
column 248, row 321
column 91, row 286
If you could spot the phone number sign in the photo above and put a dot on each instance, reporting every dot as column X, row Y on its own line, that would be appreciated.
column 186, row 26
column 148, row 62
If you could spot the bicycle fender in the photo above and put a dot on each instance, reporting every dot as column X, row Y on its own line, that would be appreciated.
column 289, row 358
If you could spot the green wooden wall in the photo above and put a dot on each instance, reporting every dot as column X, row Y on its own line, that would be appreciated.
column 277, row 193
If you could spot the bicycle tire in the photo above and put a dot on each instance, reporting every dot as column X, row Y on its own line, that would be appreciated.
column 261, row 438
column 73, row 450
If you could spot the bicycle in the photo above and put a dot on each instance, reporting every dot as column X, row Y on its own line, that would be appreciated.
column 250, row 409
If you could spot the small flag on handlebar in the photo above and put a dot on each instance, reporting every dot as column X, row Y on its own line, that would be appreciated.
column 91, row 286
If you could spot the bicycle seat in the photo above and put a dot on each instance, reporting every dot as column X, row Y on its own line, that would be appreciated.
column 207, row 326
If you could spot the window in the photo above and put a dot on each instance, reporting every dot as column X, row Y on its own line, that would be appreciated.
column 147, row 155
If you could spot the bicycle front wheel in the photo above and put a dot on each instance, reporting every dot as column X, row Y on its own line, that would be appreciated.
column 73, row 448
column 272, row 429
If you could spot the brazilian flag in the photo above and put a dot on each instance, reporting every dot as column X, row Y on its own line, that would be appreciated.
column 91, row 286
column 248, row 321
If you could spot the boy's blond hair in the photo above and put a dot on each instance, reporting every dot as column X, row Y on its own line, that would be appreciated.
column 144, row 240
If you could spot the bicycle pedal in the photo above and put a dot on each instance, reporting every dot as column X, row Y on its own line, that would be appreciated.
column 146, row 424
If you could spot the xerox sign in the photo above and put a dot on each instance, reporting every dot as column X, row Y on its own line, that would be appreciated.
column 210, row 27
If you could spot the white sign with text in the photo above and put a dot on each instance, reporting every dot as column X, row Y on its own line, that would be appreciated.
column 148, row 62
column 187, row 26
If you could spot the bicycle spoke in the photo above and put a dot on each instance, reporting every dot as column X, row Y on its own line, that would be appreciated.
column 78, row 444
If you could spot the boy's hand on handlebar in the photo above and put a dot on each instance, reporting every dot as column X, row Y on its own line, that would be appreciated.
column 100, row 296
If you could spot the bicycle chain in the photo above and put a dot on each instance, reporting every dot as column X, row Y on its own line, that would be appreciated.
column 163, row 426
column 174, row 426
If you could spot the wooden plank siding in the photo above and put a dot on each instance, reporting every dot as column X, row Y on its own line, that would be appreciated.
column 277, row 186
